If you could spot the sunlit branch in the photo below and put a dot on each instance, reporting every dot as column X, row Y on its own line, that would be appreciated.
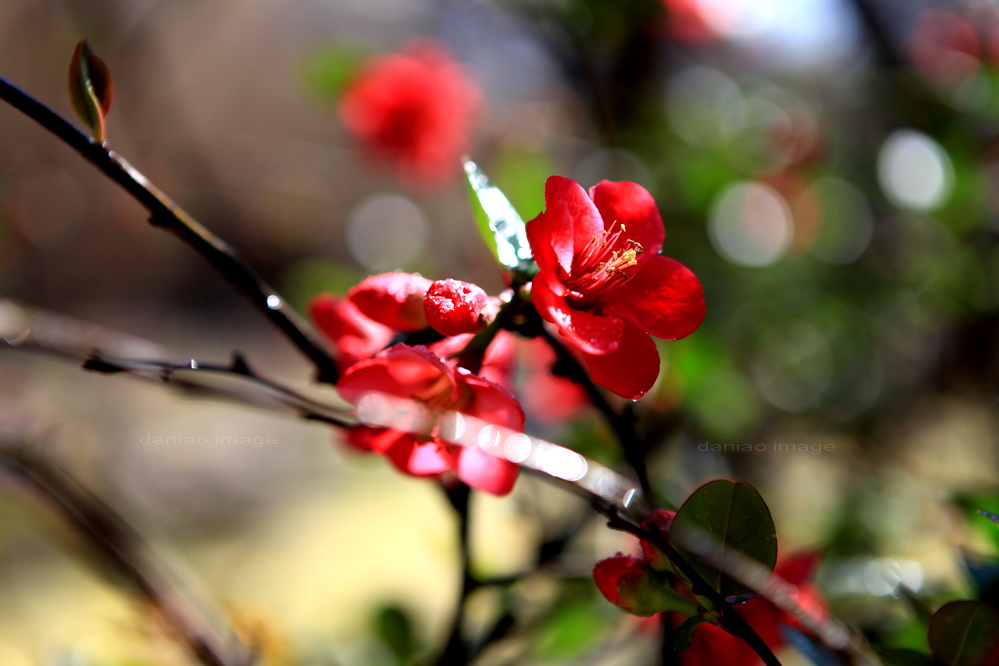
column 192, row 623
column 58, row 335
column 167, row 214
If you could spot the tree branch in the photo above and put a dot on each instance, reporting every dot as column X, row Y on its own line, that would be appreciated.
column 168, row 215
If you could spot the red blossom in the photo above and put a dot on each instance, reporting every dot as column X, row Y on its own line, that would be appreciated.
column 619, row 579
column 551, row 399
column 354, row 336
column 603, row 283
column 392, row 299
column 415, row 109
column 713, row 645
column 418, row 374
column 453, row 307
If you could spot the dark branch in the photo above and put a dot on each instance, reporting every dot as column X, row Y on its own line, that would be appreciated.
column 168, row 215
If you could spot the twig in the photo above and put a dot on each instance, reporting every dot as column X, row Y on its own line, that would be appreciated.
column 117, row 544
column 168, row 215
column 732, row 620
column 58, row 335
column 623, row 424
column 456, row 650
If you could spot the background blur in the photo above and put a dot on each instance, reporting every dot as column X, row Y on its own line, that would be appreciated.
column 826, row 167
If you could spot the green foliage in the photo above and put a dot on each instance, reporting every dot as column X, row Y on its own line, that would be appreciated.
column 720, row 518
column 964, row 633
column 498, row 221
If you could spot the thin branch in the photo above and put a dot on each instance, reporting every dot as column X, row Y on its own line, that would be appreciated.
column 117, row 545
column 168, row 215
column 732, row 620
column 622, row 423
column 65, row 337
column 456, row 650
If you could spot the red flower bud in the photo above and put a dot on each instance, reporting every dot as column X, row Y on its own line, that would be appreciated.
column 659, row 520
column 453, row 307
column 618, row 579
column 392, row 299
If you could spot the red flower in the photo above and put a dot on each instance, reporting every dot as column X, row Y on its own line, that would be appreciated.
column 354, row 336
column 416, row 373
column 453, row 307
column 414, row 109
column 619, row 579
column 603, row 283
column 713, row 645
column 392, row 299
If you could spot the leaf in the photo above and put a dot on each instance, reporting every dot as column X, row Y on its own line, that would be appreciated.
column 90, row 89
column 991, row 516
column 725, row 517
column 964, row 633
column 683, row 635
column 501, row 226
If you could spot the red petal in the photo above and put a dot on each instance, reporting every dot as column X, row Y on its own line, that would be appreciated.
column 493, row 403
column 453, row 307
column 664, row 298
column 634, row 208
column 631, row 369
column 485, row 471
column 401, row 370
column 569, row 216
column 354, row 335
column 393, row 299
column 589, row 333
column 608, row 574
column 418, row 459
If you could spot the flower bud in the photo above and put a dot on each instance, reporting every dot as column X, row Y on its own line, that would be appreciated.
column 659, row 520
column 631, row 585
column 453, row 307
column 392, row 299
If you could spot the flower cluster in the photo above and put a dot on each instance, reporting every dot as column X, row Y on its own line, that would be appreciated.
column 601, row 285
column 646, row 586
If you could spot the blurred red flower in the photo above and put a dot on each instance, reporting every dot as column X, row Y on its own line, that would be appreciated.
column 416, row 373
column 603, row 283
column 354, row 335
column 414, row 109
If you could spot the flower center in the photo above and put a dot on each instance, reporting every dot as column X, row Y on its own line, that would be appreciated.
column 600, row 267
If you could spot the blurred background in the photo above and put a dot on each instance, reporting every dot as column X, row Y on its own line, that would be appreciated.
column 826, row 167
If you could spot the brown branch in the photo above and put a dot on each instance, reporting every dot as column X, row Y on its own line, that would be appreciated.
column 168, row 215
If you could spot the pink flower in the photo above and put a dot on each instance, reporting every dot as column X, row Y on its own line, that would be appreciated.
column 414, row 109
column 603, row 283
column 416, row 373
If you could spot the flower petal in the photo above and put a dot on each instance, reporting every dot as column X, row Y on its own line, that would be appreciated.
column 634, row 208
column 569, row 215
column 485, row 471
column 418, row 459
column 392, row 299
column 631, row 369
column 592, row 334
column 664, row 298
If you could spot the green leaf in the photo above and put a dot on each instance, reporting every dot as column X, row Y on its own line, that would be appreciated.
column 726, row 517
column 683, row 636
column 501, row 226
column 90, row 89
column 964, row 633
column 570, row 630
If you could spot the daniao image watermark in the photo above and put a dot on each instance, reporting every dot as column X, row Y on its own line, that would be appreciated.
column 218, row 439
column 774, row 446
